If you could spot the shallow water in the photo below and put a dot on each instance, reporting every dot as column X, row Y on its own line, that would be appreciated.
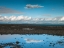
column 31, row 41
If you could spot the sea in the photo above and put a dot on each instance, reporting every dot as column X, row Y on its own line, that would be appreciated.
column 31, row 41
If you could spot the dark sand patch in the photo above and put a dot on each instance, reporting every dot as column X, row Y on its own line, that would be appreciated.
column 31, row 29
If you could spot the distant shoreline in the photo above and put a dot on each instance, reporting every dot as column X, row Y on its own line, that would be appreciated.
column 31, row 29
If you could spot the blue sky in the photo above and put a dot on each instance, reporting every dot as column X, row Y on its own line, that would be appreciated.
column 43, row 9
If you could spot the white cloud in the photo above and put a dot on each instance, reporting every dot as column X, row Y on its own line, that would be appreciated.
column 4, row 10
column 1, row 18
column 48, row 19
column 32, row 40
column 29, row 6
column 62, row 19
column 23, row 17
column 26, row 19
column 14, row 18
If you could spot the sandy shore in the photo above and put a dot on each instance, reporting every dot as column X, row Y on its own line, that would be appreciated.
column 30, row 29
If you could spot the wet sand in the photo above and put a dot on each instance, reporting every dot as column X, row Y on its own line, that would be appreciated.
column 31, row 29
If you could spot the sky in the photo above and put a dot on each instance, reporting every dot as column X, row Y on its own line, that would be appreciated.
column 31, row 11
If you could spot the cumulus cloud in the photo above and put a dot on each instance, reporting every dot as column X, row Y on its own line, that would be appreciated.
column 29, row 6
column 26, row 19
column 62, row 19
column 32, row 40
column 14, row 18
column 4, row 10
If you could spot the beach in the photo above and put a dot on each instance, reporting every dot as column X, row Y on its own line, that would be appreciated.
column 31, row 29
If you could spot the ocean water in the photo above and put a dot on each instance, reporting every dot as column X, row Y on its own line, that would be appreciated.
column 31, row 41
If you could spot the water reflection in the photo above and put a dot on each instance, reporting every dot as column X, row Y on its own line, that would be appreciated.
column 31, row 41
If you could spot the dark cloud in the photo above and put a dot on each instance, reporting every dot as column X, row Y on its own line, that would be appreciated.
column 29, row 6
column 4, row 10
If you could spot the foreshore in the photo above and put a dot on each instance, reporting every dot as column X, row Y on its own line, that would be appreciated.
column 31, row 29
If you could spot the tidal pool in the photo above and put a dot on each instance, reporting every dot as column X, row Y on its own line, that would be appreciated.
column 31, row 41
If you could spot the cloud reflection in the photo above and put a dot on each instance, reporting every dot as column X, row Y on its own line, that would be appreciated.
column 32, row 40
